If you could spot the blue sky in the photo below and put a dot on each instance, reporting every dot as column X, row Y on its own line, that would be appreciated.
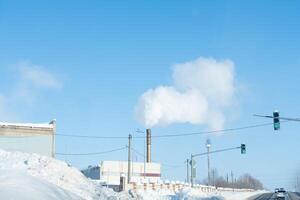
column 102, row 55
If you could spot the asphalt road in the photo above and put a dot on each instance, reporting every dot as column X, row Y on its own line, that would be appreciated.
column 272, row 196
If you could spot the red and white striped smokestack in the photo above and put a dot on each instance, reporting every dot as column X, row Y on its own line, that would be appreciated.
column 148, row 131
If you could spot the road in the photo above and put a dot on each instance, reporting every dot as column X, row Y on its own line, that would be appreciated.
column 272, row 196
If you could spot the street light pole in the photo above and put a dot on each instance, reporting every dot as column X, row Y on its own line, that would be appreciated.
column 208, row 145
column 192, row 161
column 129, row 159
column 187, row 171
column 192, row 166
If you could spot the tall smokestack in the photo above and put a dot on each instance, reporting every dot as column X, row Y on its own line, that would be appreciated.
column 148, row 145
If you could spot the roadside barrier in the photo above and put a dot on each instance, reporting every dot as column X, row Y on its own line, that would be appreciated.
column 176, row 186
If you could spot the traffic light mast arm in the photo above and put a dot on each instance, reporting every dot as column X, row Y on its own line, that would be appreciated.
column 282, row 118
column 216, row 151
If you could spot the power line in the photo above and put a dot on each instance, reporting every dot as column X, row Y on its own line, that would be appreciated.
column 170, row 135
column 216, row 151
column 162, row 135
column 92, row 153
column 137, row 152
column 92, row 136
column 213, row 131
column 174, row 167
column 167, row 165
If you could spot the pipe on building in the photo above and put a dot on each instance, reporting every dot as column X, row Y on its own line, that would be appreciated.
column 148, row 145
column 53, row 122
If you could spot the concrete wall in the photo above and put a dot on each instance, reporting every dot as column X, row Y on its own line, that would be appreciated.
column 29, row 138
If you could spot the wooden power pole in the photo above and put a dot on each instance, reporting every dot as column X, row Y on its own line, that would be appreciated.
column 129, row 158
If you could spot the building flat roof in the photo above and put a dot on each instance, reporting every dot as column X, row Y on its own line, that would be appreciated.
column 27, row 125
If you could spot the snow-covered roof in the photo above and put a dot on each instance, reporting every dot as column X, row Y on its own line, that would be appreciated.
column 28, row 125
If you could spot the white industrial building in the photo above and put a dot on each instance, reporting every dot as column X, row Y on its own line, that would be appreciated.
column 110, row 172
column 29, row 138
column 115, row 173
column 118, row 173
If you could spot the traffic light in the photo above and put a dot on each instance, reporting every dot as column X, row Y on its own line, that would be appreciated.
column 276, row 121
column 243, row 149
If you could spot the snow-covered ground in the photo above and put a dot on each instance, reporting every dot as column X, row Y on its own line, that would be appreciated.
column 20, row 185
column 31, row 176
column 51, row 173
column 192, row 194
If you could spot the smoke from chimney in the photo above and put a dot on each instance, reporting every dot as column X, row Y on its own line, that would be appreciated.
column 202, row 92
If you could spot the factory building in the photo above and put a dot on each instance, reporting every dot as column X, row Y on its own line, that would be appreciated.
column 116, row 173
column 28, row 138
column 110, row 172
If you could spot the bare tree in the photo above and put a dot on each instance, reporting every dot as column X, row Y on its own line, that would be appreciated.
column 244, row 181
column 247, row 181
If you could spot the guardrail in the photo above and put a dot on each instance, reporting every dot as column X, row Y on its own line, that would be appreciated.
column 176, row 186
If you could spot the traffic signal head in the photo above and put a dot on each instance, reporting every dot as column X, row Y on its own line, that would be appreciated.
column 243, row 149
column 276, row 121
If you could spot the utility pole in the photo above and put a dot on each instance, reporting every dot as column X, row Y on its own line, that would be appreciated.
column 129, row 158
column 227, row 178
column 187, row 171
column 297, row 184
column 193, row 163
column 208, row 145
column 192, row 179
column 235, row 185
column 53, row 122
column 213, row 171
column 231, row 179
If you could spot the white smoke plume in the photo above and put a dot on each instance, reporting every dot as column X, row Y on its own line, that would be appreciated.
column 202, row 89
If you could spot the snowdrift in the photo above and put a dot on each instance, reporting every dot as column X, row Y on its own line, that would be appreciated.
column 19, row 185
column 192, row 194
column 31, row 177
column 47, row 174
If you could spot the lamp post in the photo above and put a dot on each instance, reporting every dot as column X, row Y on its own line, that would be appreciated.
column 208, row 145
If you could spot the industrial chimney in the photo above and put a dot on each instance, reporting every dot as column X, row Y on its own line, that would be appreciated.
column 148, row 145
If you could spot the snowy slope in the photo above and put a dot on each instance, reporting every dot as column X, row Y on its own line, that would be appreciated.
column 31, row 176
column 185, row 194
column 192, row 194
column 20, row 185
column 239, row 195
column 56, row 173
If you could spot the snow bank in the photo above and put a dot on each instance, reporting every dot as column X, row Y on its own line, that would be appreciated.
column 193, row 194
column 20, row 185
column 55, row 172
column 150, row 195
column 240, row 195
column 31, row 176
